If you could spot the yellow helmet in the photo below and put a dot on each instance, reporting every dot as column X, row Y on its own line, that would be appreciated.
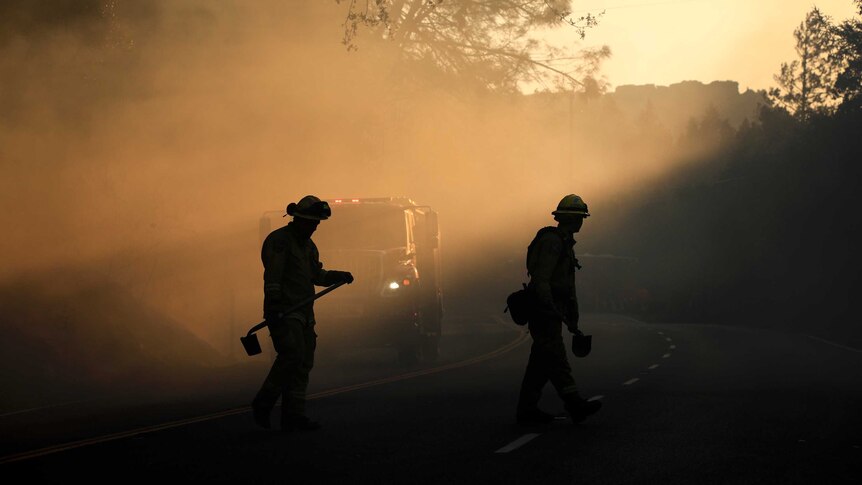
column 572, row 204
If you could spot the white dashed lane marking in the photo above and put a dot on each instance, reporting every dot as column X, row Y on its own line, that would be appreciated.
column 665, row 356
column 672, row 347
column 631, row 381
column 652, row 366
column 668, row 339
column 523, row 440
column 595, row 398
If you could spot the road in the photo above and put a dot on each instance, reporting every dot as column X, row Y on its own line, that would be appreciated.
column 681, row 404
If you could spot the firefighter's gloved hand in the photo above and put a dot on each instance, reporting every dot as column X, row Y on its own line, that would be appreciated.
column 572, row 326
column 339, row 276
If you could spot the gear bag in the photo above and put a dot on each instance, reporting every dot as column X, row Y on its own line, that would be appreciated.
column 521, row 305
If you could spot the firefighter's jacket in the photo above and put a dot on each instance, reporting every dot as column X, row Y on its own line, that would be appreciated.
column 291, row 269
column 551, row 265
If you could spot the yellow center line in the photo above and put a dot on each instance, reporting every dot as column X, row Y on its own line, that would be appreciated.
column 26, row 455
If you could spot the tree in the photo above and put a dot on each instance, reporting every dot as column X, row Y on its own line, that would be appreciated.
column 805, row 85
column 848, row 85
column 487, row 41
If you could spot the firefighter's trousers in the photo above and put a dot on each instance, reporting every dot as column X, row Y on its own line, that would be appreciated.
column 548, row 362
column 295, row 343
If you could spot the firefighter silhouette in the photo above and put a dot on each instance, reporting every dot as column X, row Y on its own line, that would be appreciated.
column 551, row 264
column 292, row 268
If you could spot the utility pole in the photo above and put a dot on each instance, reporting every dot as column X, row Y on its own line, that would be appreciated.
column 232, row 324
column 571, row 155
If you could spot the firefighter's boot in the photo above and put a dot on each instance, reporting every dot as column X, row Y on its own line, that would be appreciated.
column 261, row 413
column 579, row 408
column 298, row 423
column 533, row 416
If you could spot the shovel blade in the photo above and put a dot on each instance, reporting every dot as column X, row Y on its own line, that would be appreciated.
column 251, row 344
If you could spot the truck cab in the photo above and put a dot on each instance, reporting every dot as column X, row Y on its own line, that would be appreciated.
column 392, row 247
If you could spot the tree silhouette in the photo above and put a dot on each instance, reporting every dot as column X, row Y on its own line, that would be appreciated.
column 805, row 85
column 848, row 85
column 486, row 40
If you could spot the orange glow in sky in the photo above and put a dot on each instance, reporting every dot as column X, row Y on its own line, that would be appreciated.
column 668, row 41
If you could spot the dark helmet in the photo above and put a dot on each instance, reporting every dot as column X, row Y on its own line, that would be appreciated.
column 309, row 207
column 572, row 204
column 581, row 345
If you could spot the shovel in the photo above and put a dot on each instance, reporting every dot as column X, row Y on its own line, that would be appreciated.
column 250, row 342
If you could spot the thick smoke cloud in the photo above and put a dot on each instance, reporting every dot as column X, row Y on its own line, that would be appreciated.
column 141, row 141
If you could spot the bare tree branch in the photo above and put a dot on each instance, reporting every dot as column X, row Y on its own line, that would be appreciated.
column 487, row 41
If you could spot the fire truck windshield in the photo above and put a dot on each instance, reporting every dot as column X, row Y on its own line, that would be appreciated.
column 362, row 226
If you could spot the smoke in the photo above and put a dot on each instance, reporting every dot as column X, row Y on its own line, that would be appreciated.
column 141, row 141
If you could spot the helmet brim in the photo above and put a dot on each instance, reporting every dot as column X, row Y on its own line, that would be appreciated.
column 308, row 216
column 575, row 213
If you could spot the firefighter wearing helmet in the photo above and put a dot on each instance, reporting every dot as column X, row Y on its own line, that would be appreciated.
column 551, row 265
column 292, row 268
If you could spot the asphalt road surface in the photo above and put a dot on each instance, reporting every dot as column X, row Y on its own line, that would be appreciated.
column 681, row 404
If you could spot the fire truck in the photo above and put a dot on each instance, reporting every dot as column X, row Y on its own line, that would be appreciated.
column 391, row 246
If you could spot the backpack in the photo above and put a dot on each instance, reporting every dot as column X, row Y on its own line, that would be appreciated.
column 522, row 304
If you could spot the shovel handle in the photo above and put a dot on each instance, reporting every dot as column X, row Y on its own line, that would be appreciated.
column 298, row 305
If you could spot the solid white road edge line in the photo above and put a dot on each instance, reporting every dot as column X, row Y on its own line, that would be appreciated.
column 49, row 406
column 26, row 455
column 851, row 349
column 523, row 440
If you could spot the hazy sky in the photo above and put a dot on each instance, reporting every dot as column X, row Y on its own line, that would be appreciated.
column 667, row 41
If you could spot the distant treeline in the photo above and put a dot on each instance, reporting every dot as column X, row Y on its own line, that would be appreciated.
column 767, row 229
